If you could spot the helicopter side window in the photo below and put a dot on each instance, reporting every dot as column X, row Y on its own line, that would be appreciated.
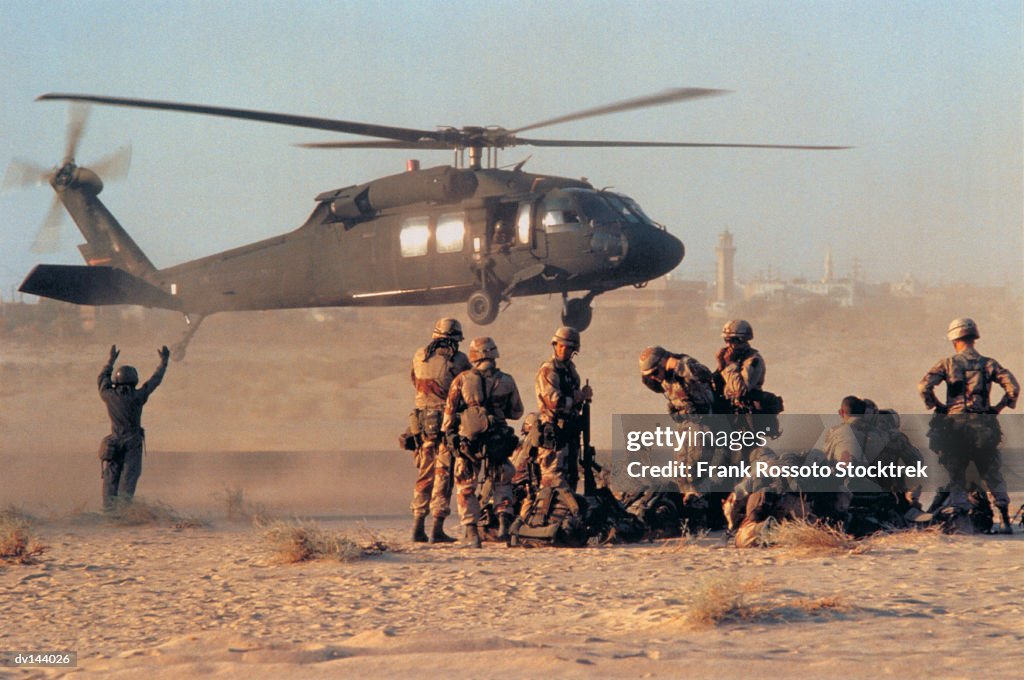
column 523, row 223
column 414, row 236
column 450, row 235
column 560, row 215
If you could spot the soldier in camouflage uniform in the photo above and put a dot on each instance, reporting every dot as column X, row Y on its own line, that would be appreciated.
column 524, row 459
column 741, row 368
column 434, row 367
column 480, row 403
column 964, row 429
column 121, row 450
column 560, row 398
column 686, row 384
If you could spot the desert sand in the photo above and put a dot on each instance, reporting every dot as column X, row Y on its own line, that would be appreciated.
column 171, row 603
column 301, row 411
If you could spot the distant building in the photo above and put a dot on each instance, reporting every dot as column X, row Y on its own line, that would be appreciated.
column 725, row 275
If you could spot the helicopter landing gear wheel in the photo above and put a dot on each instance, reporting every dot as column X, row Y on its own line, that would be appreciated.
column 578, row 313
column 482, row 307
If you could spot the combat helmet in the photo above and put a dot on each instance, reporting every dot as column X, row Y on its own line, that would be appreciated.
column 651, row 358
column 567, row 335
column 962, row 329
column 739, row 329
column 482, row 348
column 126, row 375
column 448, row 328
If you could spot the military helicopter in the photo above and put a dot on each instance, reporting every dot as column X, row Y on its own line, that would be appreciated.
column 473, row 233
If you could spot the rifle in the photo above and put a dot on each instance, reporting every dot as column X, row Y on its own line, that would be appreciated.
column 587, row 453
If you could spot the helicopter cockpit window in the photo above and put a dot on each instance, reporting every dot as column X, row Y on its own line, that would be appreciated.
column 414, row 236
column 595, row 207
column 450, row 234
column 635, row 207
column 622, row 209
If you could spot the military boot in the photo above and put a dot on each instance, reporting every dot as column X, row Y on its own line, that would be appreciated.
column 437, row 534
column 472, row 536
column 503, row 526
column 513, row 532
column 1004, row 514
column 418, row 533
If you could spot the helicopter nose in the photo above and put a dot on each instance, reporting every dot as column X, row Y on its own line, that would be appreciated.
column 651, row 253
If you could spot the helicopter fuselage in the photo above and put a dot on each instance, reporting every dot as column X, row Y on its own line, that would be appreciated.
column 421, row 237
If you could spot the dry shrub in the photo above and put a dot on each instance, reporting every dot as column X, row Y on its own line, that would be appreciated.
column 908, row 538
column 374, row 543
column 139, row 512
column 724, row 600
column 806, row 539
column 303, row 540
column 191, row 522
column 239, row 509
column 17, row 545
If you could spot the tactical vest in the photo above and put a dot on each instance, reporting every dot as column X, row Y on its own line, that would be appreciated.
column 967, row 383
column 432, row 377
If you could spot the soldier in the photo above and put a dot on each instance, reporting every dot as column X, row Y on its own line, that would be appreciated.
column 560, row 399
column 434, row 367
column 741, row 368
column 964, row 429
column 524, row 459
column 685, row 382
column 121, row 450
column 480, row 403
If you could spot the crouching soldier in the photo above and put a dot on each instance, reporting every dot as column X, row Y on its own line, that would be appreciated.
column 480, row 403
column 121, row 450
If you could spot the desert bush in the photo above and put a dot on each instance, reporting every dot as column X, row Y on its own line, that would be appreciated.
column 239, row 509
column 17, row 545
column 811, row 539
column 726, row 600
column 303, row 540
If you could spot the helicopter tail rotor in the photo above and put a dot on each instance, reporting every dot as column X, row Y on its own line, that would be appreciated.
column 23, row 174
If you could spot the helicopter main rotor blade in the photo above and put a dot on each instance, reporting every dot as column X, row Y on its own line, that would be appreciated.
column 698, row 145
column 667, row 97
column 22, row 174
column 669, row 144
column 422, row 144
column 367, row 129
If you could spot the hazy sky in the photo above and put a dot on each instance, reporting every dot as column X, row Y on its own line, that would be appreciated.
column 929, row 93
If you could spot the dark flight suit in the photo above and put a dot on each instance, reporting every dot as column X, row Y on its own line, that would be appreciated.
column 121, row 450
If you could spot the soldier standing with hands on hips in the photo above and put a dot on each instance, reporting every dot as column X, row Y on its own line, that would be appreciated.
column 964, row 430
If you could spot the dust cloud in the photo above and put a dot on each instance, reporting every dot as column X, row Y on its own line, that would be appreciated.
column 302, row 408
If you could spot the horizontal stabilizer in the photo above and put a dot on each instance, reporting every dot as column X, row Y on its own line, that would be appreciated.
column 83, row 285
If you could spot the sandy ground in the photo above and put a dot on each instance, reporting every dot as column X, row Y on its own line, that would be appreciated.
column 211, row 601
column 301, row 411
